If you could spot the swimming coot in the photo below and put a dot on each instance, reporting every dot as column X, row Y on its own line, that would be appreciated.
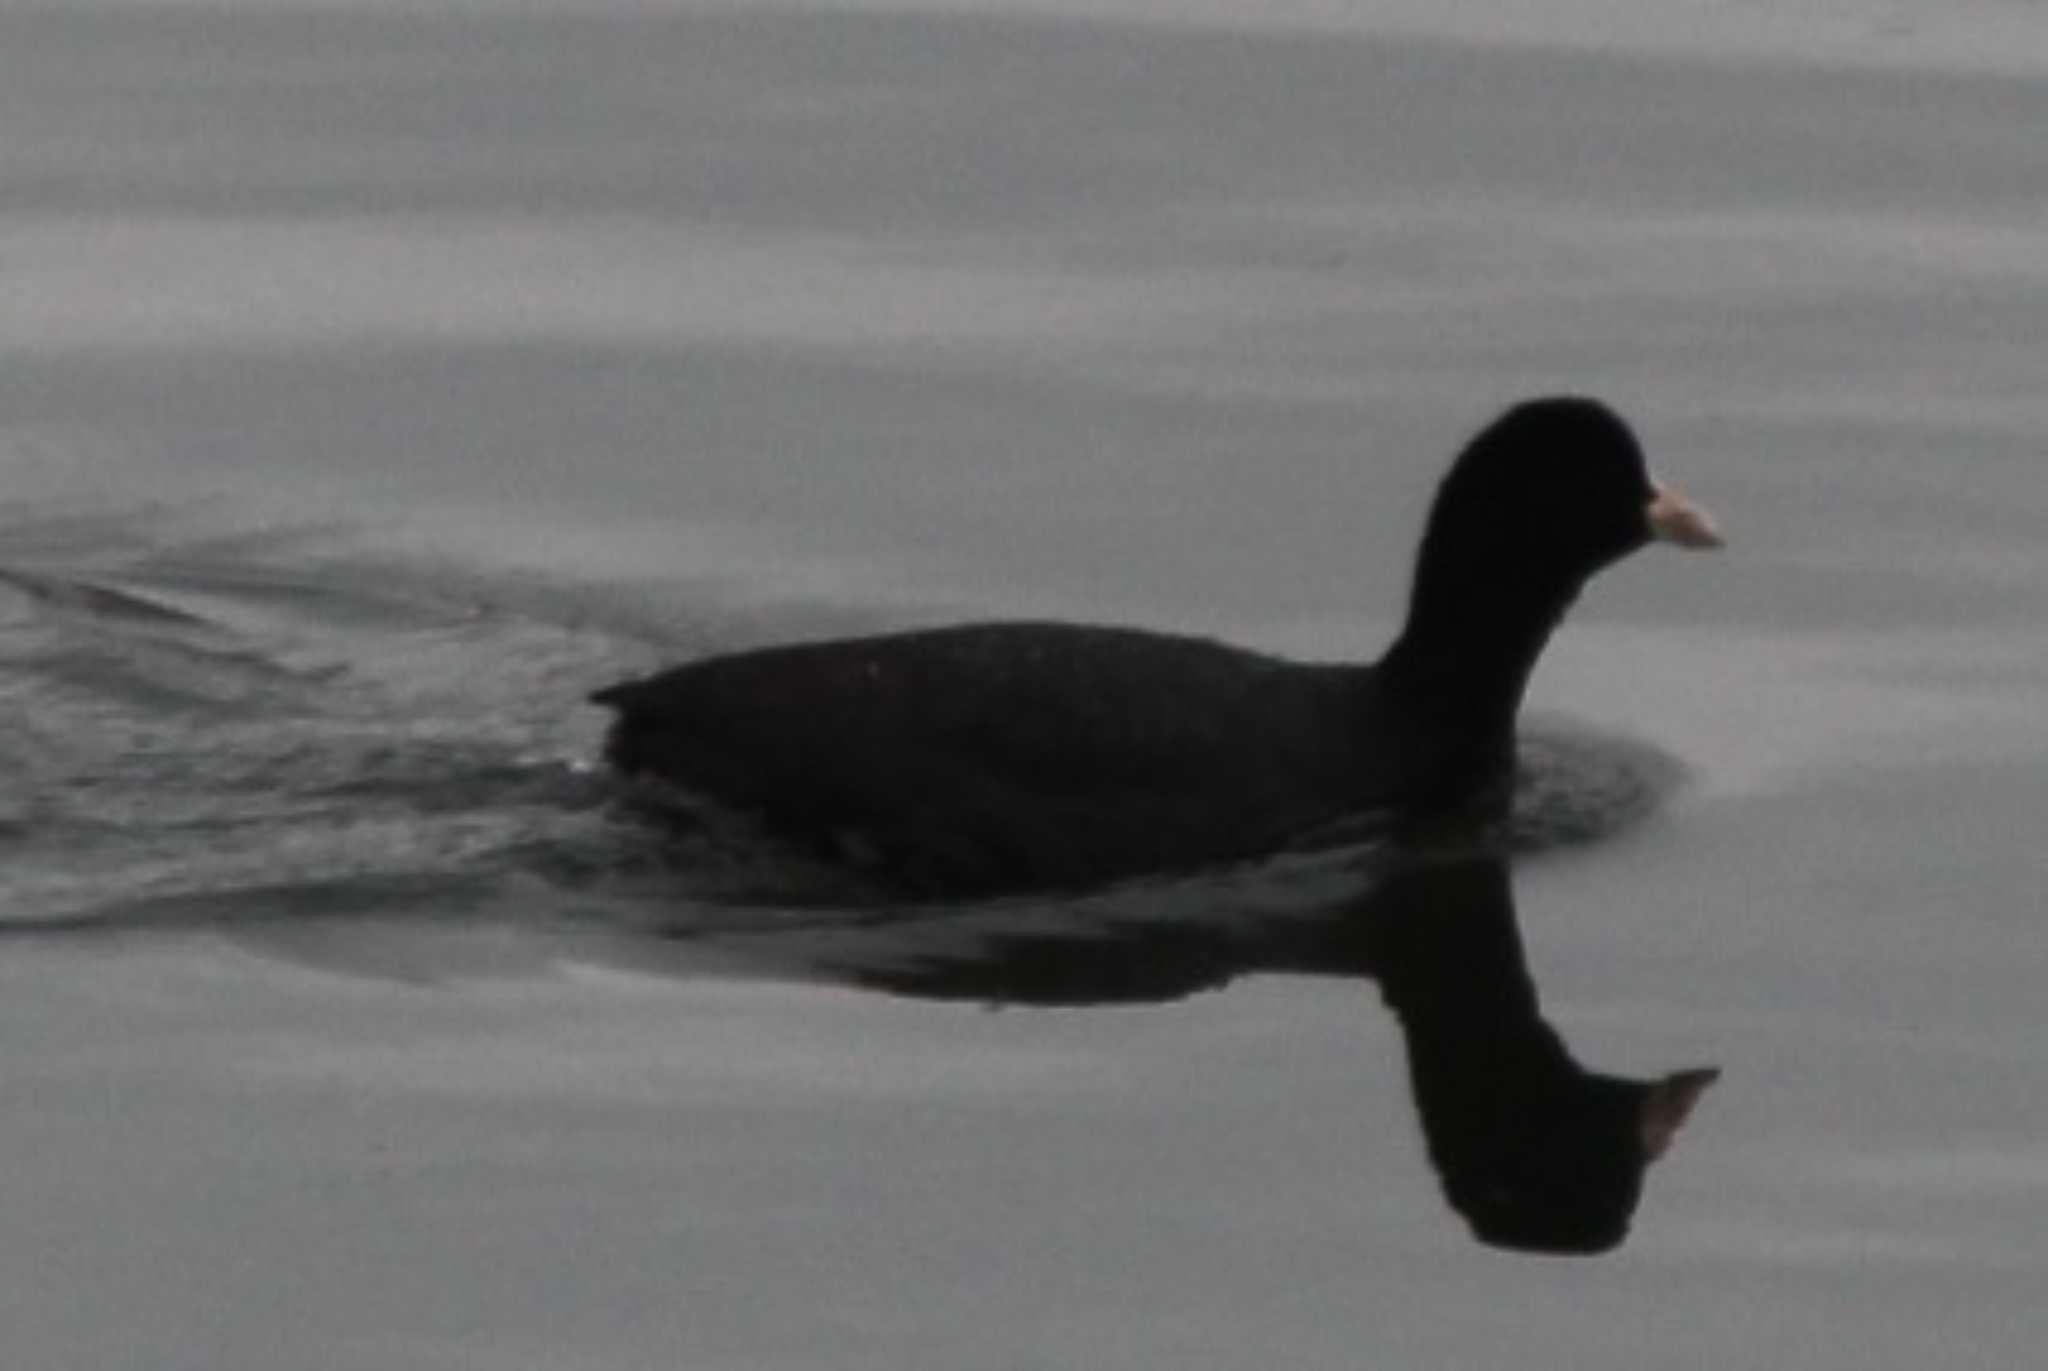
column 999, row 757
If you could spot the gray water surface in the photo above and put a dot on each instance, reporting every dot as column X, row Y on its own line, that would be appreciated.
column 380, row 379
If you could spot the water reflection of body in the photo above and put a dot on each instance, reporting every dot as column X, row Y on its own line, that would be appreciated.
column 1533, row 1149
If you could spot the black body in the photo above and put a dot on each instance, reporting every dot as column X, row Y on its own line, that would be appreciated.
column 1001, row 757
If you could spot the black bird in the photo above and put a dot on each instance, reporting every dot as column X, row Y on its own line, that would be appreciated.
column 992, row 758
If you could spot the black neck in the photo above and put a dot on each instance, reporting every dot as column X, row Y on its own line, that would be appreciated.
column 1463, row 661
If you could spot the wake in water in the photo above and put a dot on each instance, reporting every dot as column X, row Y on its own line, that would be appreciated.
column 229, row 730
column 201, row 727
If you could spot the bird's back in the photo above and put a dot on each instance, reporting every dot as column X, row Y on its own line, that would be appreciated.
column 1008, row 755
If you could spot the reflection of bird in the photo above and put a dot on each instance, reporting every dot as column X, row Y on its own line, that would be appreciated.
column 996, row 757
column 1536, row 1152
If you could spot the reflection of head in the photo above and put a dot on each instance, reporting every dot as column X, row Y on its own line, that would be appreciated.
column 1534, row 1150
column 1569, row 1182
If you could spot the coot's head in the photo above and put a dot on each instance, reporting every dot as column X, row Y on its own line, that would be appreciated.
column 1556, row 489
column 1544, row 497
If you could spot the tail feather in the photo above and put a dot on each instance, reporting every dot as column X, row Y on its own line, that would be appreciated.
column 618, row 696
